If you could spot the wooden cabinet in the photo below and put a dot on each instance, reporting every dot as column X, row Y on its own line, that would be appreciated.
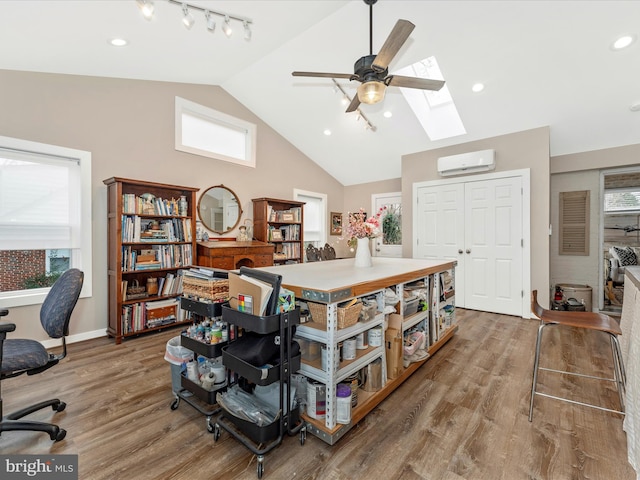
column 230, row 255
column 151, row 236
column 280, row 222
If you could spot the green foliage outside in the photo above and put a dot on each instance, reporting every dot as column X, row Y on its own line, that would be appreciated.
column 41, row 280
column 392, row 227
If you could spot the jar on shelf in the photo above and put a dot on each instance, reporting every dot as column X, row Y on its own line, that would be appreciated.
column 343, row 402
column 182, row 206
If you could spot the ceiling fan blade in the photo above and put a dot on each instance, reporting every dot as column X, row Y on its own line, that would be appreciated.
column 323, row 75
column 353, row 106
column 392, row 44
column 414, row 82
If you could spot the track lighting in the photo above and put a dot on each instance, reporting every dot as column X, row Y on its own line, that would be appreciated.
column 188, row 19
column 211, row 22
column 226, row 27
column 146, row 7
column 346, row 99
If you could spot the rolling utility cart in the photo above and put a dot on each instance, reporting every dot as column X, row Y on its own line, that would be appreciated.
column 262, row 439
column 195, row 395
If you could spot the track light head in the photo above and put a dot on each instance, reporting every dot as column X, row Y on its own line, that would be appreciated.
column 226, row 27
column 211, row 22
column 146, row 7
column 188, row 19
column 247, row 31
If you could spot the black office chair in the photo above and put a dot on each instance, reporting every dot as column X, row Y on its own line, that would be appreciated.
column 18, row 356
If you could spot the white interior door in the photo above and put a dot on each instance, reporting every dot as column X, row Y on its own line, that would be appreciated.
column 479, row 224
column 440, row 228
column 389, row 244
column 493, row 245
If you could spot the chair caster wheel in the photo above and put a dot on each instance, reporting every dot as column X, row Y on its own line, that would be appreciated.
column 58, row 435
column 58, row 407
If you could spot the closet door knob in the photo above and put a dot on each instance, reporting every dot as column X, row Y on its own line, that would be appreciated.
column 468, row 250
column 460, row 250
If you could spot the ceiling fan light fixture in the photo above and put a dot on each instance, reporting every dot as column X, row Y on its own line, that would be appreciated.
column 371, row 92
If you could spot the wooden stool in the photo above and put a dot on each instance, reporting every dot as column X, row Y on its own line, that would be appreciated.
column 589, row 321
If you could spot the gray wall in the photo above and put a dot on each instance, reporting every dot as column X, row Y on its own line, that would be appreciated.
column 528, row 149
column 128, row 126
column 581, row 171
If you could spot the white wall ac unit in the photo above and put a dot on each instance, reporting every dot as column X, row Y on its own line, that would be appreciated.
column 470, row 162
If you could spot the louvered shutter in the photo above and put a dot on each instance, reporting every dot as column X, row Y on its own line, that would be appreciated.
column 574, row 223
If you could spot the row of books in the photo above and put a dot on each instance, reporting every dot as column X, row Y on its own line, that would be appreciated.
column 288, row 250
column 163, row 256
column 293, row 214
column 137, row 229
column 286, row 233
column 132, row 203
column 171, row 284
column 144, row 315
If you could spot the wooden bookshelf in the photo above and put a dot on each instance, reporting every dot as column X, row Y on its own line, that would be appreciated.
column 151, row 234
column 281, row 223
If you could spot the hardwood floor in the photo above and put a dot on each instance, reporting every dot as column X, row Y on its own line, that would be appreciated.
column 462, row 415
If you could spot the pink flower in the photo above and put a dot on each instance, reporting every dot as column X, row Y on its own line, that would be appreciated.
column 361, row 227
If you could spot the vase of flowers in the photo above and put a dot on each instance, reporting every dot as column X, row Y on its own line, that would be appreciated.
column 361, row 230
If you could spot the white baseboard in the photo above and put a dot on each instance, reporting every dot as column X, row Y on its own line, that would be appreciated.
column 75, row 338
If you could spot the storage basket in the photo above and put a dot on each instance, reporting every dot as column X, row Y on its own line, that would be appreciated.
column 135, row 290
column 346, row 316
column 216, row 289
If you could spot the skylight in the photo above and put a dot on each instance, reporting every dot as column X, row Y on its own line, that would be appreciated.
column 435, row 111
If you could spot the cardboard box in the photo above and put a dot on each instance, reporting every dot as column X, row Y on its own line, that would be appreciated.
column 394, row 346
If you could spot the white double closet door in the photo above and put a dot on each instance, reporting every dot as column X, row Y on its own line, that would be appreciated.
column 480, row 225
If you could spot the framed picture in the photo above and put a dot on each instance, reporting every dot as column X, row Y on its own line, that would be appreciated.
column 336, row 223
column 276, row 235
column 288, row 217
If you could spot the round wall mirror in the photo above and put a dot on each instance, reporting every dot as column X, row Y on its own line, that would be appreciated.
column 219, row 209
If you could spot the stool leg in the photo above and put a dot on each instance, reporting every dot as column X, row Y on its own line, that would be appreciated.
column 535, row 369
column 620, row 374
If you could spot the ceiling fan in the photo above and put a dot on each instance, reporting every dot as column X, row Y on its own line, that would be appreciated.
column 372, row 71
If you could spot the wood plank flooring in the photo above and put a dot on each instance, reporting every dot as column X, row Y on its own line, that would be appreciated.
column 462, row 415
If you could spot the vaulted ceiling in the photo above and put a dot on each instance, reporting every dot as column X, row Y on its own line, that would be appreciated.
column 543, row 63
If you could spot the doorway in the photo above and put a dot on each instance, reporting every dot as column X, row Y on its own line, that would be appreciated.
column 389, row 244
column 481, row 222
column 619, row 231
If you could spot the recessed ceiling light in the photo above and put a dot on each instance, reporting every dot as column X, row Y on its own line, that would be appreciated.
column 388, row 114
column 118, row 42
column 477, row 87
column 623, row 42
column 327, row 132
column 635, row 107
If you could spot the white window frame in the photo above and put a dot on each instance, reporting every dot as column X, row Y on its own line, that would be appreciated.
column 81, row 258
column 298, row 194
column 218, row 119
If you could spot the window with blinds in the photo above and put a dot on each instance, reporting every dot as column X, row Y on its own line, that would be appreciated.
column 574, row 223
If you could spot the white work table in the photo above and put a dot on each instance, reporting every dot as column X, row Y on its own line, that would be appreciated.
column 334, row 281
